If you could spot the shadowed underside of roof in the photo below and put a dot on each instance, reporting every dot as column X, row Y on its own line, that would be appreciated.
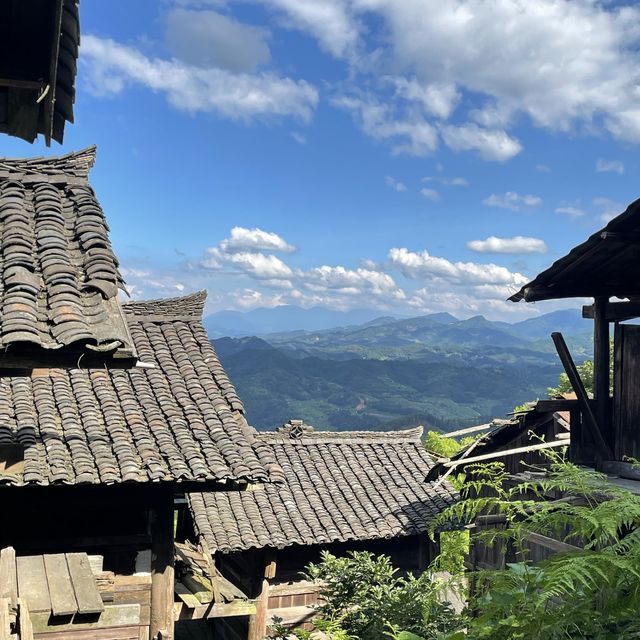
column 178, row 421
column 59, row 277
column 337, row 487
column 607, row 264
column 39, row 42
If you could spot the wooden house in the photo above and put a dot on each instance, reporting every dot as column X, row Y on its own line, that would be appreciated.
column 341, row 491
column 606, row 267
column 94, row 459
column 39, row 42
column 59, row 276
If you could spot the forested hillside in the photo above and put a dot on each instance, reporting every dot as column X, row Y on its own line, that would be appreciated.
column 433, row 370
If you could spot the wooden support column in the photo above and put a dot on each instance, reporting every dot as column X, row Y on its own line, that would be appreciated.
column 601, row 367
column 258, row 623
column 162, row 576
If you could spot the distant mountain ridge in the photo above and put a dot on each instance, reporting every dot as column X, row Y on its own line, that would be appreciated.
column 388, row 372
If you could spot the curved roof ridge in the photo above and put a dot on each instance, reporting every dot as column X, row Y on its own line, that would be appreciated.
column 313, row 437
column 75, row 164
column 190, row 306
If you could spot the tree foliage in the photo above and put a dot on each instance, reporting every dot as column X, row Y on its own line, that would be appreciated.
column 591, row 593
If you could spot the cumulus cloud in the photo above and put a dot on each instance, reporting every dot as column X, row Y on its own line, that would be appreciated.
column 410, row 134
column 353, row 281
column 517, row 244
column 256, row 264
column 421, row 264
column 111, row 67
column 491, row 144
column 571, row 211
column 396, row 185
column 609, row 166
column 242, row 239
column 430, row 194
column 608, row 209
column 331, row 22
column 438, row 100
column 511, row 200
column 211, row 39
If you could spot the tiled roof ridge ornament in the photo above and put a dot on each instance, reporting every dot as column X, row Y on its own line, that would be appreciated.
column 76, row 164
column 190, row 306
column 295, row 429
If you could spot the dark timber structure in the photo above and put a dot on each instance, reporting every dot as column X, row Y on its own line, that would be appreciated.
column 341, row 491
column 59, row 277
column 604, row 430
column 91, row 462
column 39, row 42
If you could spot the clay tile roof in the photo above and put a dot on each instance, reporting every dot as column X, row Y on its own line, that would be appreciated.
column 39, row 50
column 176, row 422
column 59, row 277
column 337, row 487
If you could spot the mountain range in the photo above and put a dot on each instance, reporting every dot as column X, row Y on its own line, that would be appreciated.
column 387, row 372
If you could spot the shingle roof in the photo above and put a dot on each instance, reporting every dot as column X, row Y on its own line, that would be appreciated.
column 178, row 421
column 606, row 264
column 59, row 277
column 337, row 487
column 39, row 49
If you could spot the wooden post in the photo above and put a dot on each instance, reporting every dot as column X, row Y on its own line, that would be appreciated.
column 602, row 449
column 162, row 557
column 601, row 366
column 258, row 623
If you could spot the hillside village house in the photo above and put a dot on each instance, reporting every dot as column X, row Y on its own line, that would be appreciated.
column 39, row 42
column 340, row 491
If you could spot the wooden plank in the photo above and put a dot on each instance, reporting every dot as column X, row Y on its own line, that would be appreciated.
column 293, row 616
column 206, row 611
column 601, row 367
column 84, row 584
column 5, row 620
column 258, row 623
column 294, row 588
column 124, row 615
column 199, row 588
column 63, row 599
column 8, row 575
column 26, row 629
column 550, row 543
column 117, row 633
column 32, row 584
column 186, row 596
column 505, row 452
column 603, row 451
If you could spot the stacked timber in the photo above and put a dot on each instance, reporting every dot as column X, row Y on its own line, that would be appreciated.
column 58, row 596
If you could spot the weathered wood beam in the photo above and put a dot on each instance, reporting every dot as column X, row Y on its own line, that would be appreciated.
column 550, row 543
column 601, row 366
column 213, row 610
column 603, row 451
column 616, row 311
column 162, row 573
column 258, row 623
column 559, row 405
column 464, row 432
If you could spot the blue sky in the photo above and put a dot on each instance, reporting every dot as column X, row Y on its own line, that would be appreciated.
column 413, row 156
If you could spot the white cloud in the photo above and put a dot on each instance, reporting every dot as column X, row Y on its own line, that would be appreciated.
column 239, row 96
column 410, row 134
column 609, row 166
column 491, row 144
column 396, row 185
column 256, row 264
column 447, row 182
column 571, row 211
column 330, row 21
column 517, row 244
column 543, row 168
column 541, row 67
column 349, row 280
column 511, row 200
column 430, row 194
column 423, row 265
column 608, row 209
column 255, row 239
column 438, row 100
column 210, row 39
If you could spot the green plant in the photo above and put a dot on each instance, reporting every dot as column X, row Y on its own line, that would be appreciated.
column 441, row 445
column 367, row 598
column 592, row 592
